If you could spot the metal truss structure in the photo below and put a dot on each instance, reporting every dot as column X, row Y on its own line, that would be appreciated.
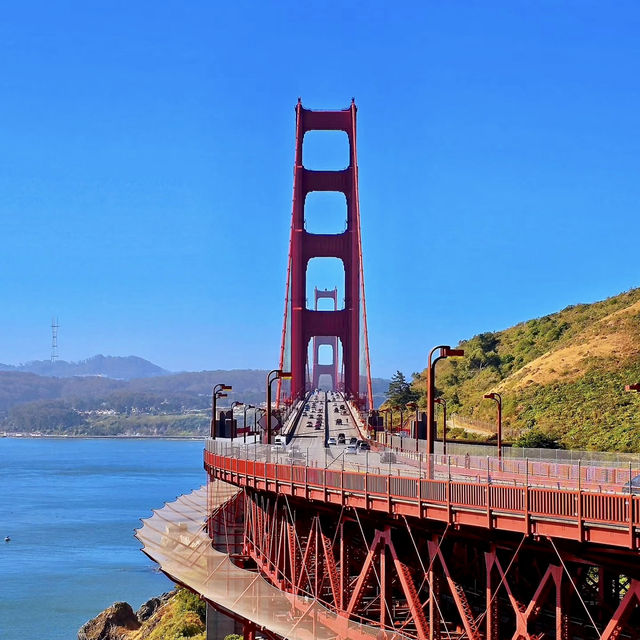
column 425, row 581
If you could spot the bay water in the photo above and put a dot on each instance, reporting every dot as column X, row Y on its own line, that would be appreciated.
column 70, row 507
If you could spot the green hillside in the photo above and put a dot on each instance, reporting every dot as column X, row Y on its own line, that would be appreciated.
column 562, row 375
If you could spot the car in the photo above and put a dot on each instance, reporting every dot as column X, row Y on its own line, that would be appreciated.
column 633, row 486
column 341, row 435
column 364, row 446
column 331, row 441
column 342, row 406
column 318, row 427
column 336, row 410
column 353, row 441
column 338, row 420
column 351, row 449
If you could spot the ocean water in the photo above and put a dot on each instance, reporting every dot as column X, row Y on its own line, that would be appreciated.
column 70, row 507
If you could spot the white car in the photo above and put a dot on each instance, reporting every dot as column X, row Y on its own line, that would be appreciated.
column 332, row 441
column 351, row 449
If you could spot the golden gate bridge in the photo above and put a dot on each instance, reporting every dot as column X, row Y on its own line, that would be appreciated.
column 326, row 526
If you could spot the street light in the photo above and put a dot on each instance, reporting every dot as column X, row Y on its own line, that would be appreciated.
column 498, row 400
column 235, row 403
column 216, row 393
column 255, row 418
column 386, row 422
column 244, row 420
column 445, row 352
column 413, row 406
column 443, row 402
column 277, row 374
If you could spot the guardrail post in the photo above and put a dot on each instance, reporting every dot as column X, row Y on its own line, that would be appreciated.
column 632, row 541
column 489, row 524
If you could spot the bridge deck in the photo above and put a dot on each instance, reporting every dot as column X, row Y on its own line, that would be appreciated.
column 451, row 489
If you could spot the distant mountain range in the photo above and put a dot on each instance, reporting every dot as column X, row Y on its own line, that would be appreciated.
column 107, row 380
column 116, row 367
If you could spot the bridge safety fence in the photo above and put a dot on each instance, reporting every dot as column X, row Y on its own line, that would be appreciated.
column 570, row 456
column 457, row 467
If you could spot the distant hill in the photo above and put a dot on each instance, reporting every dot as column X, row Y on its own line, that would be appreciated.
column 561, row 376
column 189, row 390
column 117, row 367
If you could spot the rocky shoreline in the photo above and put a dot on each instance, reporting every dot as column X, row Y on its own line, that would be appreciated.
column 177, row 613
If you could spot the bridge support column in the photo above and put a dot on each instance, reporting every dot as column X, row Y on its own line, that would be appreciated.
column 249, row 631
column 492, row 621
column 434, row 598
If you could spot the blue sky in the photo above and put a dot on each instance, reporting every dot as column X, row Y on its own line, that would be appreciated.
column 147, row 151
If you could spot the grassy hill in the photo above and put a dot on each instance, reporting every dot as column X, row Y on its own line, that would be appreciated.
column 562, row 375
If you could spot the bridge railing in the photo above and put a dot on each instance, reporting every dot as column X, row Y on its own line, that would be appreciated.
column 513, row 472
column 437, row 488
column 568, row 456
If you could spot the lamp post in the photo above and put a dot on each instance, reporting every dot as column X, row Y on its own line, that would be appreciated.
column 401, row 410
column 255, row 418
column 277, row 374
column 413, row 406
column 244, row 421
column 443, row 402
column 386, row 423
column 498, row 400
column 445, row 352
column 217, row 392
column 234, row 404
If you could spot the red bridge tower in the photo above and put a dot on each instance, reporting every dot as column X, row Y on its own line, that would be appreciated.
column 345, row 324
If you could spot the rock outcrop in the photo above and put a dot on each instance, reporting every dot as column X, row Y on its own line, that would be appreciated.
column 177, row 613
column 152, row 605
column 113, row 623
